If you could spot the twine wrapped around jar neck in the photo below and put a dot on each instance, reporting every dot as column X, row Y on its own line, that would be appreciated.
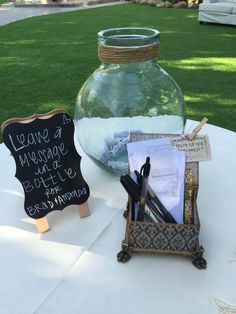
column 123, row 55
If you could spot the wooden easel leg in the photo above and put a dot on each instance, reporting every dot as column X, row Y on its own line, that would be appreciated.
column 42, row 224
column 84, row 210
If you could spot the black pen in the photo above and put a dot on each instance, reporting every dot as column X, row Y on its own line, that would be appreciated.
column 152, row 197
column 134, row 191
column 146, row 171
column 153, row 212
column 160, row 206
column 131, row 187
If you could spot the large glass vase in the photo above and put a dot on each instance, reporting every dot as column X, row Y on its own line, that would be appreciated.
column 129, row 92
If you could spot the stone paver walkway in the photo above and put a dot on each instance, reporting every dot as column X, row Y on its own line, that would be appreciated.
column 10, row 14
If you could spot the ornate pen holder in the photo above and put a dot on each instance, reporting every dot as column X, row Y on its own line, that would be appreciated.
column 168, row 238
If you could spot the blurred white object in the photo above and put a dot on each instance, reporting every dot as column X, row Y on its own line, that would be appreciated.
column 222, row 11
column 224, row 308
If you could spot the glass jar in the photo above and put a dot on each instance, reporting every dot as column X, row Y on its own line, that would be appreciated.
column 129, row 92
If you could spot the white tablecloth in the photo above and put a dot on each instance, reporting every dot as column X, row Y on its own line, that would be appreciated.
column 73, row 267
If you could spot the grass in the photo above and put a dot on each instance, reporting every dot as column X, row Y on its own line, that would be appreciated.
column 45, row 60
column 2, row 1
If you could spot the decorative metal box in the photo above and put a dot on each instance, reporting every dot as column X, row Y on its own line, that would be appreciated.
column 168, row 238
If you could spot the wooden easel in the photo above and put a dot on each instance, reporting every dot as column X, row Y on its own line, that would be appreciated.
column 42, row 223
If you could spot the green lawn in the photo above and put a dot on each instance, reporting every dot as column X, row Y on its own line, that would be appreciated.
column 45, row 60
column 2, row 1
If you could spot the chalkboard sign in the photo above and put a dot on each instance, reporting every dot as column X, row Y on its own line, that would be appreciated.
column 47, row 163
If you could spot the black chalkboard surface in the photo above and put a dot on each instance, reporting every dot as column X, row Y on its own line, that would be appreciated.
column 47, row 163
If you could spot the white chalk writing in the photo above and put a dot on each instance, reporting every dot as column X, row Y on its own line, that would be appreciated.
column 43, row 155
column 66, row 120
column 34, row 138
column 51, row 180
column 47, row 166
column 60, row 199
column 58, row 132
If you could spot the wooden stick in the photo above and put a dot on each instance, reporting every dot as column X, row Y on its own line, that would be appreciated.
column 42, row 224
column 84, row 210
column 197, row 129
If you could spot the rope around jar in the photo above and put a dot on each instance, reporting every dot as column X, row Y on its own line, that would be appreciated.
column 118, row 55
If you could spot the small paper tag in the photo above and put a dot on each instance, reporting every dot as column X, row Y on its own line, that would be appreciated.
column 197, row 149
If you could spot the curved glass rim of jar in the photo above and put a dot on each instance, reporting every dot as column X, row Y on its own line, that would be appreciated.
column 128, row 37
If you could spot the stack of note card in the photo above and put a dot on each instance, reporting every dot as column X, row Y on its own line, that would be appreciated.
column 167, row 171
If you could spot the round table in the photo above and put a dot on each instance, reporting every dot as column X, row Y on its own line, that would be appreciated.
column 73, row 267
